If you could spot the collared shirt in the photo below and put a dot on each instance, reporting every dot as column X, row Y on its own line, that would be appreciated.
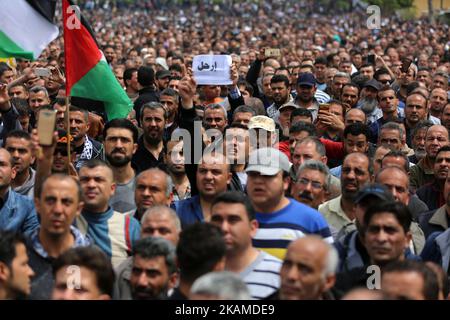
column 144, row 159
column 272, row 110
column 334, row 214
column 435, row 220
column 314, row 108
column 421, row 174
column 432, row 195
column 189, row 211
column 375, row 127
column 374, row 115
column 187, row 193
column 79, row 241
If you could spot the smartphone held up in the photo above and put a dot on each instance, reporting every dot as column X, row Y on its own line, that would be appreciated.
column 46, row 126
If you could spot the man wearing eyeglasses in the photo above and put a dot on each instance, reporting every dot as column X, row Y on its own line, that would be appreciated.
column 312, row 184
column 423, row 173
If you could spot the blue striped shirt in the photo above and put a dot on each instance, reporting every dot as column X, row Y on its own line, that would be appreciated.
column 278, row 229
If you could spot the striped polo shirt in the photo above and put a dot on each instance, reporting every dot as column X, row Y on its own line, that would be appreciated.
column 262, row 276
column 277, row 229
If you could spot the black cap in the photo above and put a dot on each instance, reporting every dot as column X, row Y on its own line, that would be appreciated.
column 306, row 78
column 373, row 84
column 62, row 137
column 161, row 74
column 376, row 190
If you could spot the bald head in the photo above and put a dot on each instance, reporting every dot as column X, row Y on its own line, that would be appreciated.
column 63, row 179
column 364, row 294
column 153, row 187
column 310, row 253
column 213, row 175
column 161, row 221
column 436, row 137
column 397, row 181
column 355, row 115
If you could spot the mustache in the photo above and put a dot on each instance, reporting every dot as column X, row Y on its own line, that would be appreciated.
column 306, row 195
column 149, row 293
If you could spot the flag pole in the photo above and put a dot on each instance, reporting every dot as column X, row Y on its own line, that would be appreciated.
column 67, row 119
column 68, row 133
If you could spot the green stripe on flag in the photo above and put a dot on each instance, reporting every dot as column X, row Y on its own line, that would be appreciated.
column 9, row 48
column 101, row 84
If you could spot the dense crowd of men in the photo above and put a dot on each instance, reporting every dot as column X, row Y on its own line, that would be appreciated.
column 320, row 166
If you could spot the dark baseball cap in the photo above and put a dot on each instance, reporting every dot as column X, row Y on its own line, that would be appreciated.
column 306, row 78
column 161, row 74
column 375, row 190
column 373, row 84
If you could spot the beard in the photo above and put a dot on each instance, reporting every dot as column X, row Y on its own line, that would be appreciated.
column 118, row 162
column 420, row 154
column 367, row 105
column 140, row 293
column 176, row 169
column 153, row 140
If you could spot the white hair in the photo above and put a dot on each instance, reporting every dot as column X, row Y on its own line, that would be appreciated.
column 332, row 261
column 224, row 285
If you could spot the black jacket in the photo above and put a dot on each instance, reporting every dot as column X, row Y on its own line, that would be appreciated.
column 146, row 95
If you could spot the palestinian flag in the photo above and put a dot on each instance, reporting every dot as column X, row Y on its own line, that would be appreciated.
column 88, row 75
column 26, row 27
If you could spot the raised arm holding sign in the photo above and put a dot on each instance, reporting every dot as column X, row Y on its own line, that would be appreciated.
column 212, row 69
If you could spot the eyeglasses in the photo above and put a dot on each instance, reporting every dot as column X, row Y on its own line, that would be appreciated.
column 315, row 184
column 388, row 82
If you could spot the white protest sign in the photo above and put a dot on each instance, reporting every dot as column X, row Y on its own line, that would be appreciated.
column 212, row 69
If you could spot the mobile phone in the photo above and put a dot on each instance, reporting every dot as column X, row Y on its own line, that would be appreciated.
column 371, row 59
column 324, row 107
column 405, row 65
column 271, row 52
column 42, row 72
column 46, row 126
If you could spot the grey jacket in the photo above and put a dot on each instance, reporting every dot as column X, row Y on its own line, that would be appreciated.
column 443, row 242
column 27, row 189
column 122, row 288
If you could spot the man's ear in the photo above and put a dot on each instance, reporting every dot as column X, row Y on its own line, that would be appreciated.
column 286, row 183
column 330, row 280
column 80, row 208
column 4, row 272
column 230, row 176
column 169, row 199
column 408, row 239
column 220, row 265
column 254, row 225
column 173, row 280
column 13, row 172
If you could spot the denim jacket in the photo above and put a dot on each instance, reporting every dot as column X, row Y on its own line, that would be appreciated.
column 18, row 214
